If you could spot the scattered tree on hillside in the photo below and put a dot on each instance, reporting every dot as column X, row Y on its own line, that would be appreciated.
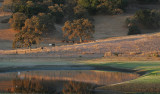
column 148, row 18
column 8, row 5
column 30, row 8
column 147, row 1
column 28, row 86
column 32, row 32
column 69, row 9
column 59, row 1
column 17, row 21
column 111, row 6
column 80, row 12
column 81, row 28
column 104, row 6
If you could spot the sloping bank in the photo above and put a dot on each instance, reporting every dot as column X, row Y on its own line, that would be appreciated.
column 148, row 83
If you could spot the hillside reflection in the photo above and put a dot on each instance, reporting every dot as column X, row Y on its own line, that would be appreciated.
column 60, row 82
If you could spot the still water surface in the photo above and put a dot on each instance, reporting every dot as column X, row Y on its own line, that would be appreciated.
column 61, row 81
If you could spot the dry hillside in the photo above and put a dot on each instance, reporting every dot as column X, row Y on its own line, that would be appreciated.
column 105, row 26
column 138, row 45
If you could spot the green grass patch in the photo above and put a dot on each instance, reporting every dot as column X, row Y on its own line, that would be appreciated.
column 146, row 84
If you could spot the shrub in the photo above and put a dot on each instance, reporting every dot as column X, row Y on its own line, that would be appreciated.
column 31, row 8
column 132, row 26
column 147, row 1
column 80, row 28
column 111, row 6
column 57, row 11
column 148, row 18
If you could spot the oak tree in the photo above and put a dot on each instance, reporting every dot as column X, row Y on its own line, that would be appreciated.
column 33, row 30
column 81, row 28
column 17, row 21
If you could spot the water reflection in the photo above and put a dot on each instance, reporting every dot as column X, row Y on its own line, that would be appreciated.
column 77, row 88
column 27, row 86
column 54, row 82
column 50, row 87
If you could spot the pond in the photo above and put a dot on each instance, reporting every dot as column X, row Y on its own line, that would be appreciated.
column 60, row 81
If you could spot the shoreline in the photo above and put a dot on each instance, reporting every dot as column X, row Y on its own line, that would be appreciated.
column 49, row 63
column 85, row 57
column 69, row 67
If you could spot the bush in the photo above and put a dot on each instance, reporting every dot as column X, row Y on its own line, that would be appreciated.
column 5, row 20
column 132, row 26
column 111, row 6
column 148, row 18
column 147, row 1
column 80, row 28
column 133, row 30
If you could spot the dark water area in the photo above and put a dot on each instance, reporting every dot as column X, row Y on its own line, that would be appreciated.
column 60, row 81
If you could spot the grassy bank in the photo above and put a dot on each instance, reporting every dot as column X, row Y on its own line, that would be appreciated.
column 148, row 83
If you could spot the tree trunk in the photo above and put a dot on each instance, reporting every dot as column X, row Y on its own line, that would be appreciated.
column 29, row 48
column 81, row 40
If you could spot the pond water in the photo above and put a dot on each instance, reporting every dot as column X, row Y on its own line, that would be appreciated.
column 61, row 81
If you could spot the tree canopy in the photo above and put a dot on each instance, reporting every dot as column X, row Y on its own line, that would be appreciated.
column 32, row 31
column 81, row 28
column 18, row 20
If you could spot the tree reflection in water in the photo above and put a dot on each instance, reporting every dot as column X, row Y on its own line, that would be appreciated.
column 30, row 86
column 33, row 86
column 77, row 88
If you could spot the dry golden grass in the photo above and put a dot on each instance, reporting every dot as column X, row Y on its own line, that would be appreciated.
column 147, row 45
column 7, row 34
